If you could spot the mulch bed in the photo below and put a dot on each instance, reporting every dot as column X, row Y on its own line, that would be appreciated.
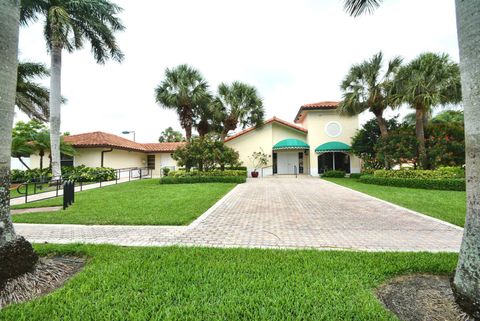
column 50, row 273
column 421, row 297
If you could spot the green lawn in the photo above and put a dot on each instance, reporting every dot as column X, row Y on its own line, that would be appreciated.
column 143, row 202
column 449, row 206
column 224, row 284
column 31, row 190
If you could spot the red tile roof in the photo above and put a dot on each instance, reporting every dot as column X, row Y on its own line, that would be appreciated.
column 271, row 120
column 315, row 106
column 106, row 140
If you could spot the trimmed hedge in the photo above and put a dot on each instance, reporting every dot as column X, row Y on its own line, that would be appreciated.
column 355, row 175
column 452, row 184
column 202, row 179
column 336, row 173
column 216, row 173
column 80, row 173
column 440, row 173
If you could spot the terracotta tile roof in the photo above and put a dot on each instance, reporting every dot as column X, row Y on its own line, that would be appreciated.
column 315, row 106
column 271, row 120
column 106, row 140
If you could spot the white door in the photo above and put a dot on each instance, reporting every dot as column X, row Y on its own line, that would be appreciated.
column 286, row 162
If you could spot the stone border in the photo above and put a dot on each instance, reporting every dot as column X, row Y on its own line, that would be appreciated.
column 399, row 207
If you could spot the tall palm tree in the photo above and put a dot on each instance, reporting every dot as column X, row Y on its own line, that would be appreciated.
column 9, row 20
column 428, row 81
column 184, row 90
column 31, row 98
column 68, row 25
column 466, row 283
column 238, row 104
column 367, row 87
column 21, row 148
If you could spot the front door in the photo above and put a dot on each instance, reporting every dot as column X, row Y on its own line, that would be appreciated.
column 287, row 162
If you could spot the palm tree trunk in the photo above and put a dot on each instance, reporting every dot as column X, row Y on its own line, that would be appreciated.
column 382, row 124
column 188, row 132
column 23, row 163
column 55, row 108
column 41, row 159
column 420, row 133
column 9, row 17
column 466, row 283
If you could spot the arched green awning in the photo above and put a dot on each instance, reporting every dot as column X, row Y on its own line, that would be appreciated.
column 291, row 143
column 332, row 147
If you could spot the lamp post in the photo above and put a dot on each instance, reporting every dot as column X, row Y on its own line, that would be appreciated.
column 129, row 132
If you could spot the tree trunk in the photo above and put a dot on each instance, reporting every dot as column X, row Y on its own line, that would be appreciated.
column 188, row 132
column 55, row 108
column 9, row 17
column 41, row 159
column 382, row 124
column 420, row 133
column 23, row 163
column 466, row 283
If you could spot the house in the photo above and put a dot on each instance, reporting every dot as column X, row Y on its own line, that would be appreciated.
column 99, row 149
column 317, row 141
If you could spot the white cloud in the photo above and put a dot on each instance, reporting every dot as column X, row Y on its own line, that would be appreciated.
column 294, row 52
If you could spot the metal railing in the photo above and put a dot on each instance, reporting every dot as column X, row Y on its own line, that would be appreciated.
column 295, row 171
column 45, row 185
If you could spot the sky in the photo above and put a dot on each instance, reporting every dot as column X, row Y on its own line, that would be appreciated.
column 293, row 52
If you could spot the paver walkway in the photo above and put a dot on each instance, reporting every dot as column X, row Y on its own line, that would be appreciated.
column 280, row 213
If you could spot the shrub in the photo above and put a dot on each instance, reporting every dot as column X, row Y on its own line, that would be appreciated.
column 355, row 175
column 80, row 173
column 335, row 173
column 184, row 173
column 453, row 184
column 441, row 173
column 165, row 171
column 202, row 179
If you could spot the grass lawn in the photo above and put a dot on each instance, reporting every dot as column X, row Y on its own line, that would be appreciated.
column 142, row 202
column 449, row 206
column 177, row 283
column 31, row 189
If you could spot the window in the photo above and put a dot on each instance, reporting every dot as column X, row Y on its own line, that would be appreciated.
column 151, row 161
column 333, row 129
column 66, row 160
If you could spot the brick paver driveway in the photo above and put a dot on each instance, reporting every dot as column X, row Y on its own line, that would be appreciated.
column 281, row 213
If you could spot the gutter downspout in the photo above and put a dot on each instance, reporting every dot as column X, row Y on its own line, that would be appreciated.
column 103, row 152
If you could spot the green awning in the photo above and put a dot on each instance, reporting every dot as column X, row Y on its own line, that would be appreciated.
column 291, row 143
column 332, row 147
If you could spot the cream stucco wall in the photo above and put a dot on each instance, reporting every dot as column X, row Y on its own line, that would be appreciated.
column 316, row 121
column 262, row 139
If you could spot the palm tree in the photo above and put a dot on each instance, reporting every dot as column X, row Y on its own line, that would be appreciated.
column 238, row 104
column 31, row 98
column 21, row 148
column 366, row 87
column 428, row 81
column 9, row 20
column 183, row 90
column 466, row 283
column 68, row 25
column 203, row 117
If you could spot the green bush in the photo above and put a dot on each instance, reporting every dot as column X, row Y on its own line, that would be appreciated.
column 227, row 172
column 335, row 173
column 452, row 184
column 441, row 173
column 79, row 173
column 202, row 179
column 355, row 175
column 165, row 171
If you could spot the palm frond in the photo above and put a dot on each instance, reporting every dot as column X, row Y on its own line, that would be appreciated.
column 358, row 7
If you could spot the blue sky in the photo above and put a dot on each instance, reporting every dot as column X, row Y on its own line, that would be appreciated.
column 294, row 52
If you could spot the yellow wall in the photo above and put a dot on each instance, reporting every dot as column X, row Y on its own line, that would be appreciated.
column 316, row 122
column 262, row 139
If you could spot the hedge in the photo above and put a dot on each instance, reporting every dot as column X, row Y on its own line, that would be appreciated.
column 227, row 172
column 355, row 175
column 440, row 173
column 80, row 173
column 335, row 173
column 452, row 184
column 202, row 179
